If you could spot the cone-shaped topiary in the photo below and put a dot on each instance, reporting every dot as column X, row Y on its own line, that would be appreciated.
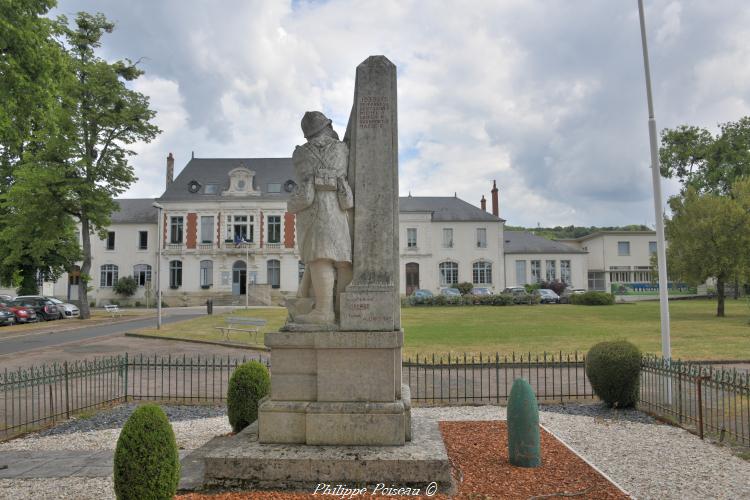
column 147, row 464
column 250, row 382
column 524, row 449
column 614, row 370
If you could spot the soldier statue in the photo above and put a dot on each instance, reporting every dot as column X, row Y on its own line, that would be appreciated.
column 321, row 202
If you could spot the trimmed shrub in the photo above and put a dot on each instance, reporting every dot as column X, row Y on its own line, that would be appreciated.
column 249, row 383
column 593, row 299
column 126, row 286
column 146, row 463
column 614, row 370
column 465, row 287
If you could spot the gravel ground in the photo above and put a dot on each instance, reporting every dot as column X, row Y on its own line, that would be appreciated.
column 646, row 458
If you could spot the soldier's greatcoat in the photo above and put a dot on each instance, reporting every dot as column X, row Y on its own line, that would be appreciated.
column 321, row 200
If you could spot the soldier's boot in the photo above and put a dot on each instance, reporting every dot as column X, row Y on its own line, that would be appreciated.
column 323, row 278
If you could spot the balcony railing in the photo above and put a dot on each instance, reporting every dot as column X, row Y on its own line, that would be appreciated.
column 274, row 245
column 175, row 246
column 205, row 246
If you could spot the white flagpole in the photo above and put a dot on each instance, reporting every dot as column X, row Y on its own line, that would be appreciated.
column 666, row 349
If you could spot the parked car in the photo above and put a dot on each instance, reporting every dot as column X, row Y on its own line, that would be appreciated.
column 421, row 293
column 515, row 290
column 548, row 296
column 5, row 299
column 64, row 309
column 565, row 295
column 7, row 317
column 481, row 291
column 23, row 313
column 450, row 292
column 44, row 308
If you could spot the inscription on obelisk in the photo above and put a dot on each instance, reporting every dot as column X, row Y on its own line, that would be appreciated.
column 371, row 301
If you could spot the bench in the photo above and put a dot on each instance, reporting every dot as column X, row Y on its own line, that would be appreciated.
column 113, row 309
column 241, row 324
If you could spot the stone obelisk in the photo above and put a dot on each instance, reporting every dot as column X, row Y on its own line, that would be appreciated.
column 371, row 301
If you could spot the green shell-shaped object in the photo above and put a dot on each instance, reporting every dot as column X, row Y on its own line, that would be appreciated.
column 523, row 426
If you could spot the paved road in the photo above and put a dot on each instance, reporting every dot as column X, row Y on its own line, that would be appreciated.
column 31, row 341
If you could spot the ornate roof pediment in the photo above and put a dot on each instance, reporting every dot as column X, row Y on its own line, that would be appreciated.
column 241, row 183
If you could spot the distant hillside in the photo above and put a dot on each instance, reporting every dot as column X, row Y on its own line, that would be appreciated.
column 570, row 232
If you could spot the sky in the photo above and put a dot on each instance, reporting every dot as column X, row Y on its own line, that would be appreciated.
column 546, row 97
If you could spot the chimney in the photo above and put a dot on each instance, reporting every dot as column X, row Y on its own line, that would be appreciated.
column 170, row 169
column 483, row 203
column 495, row 203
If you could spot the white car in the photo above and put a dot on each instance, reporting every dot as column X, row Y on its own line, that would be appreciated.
column 67, row 311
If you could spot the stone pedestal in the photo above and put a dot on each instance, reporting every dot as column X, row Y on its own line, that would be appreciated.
column 335, row 388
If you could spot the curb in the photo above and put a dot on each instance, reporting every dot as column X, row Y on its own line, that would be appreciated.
column 81, row 327
column 196, row 341
column 597, row 469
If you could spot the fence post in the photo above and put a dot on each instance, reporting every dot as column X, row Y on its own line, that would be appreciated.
column 126, row 377
column 698, row 381
column 67, row 398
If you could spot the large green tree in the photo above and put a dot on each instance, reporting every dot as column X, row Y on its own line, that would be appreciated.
column 707, row 163
column 86, row 163
column 33, row 239
column 709, row 235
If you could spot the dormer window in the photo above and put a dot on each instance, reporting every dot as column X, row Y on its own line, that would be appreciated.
column 241, row 183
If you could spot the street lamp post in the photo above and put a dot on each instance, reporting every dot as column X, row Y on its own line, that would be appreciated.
column 661, row 253
column 159, row 239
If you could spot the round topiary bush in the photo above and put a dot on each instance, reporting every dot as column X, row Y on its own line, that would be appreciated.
column 146, row 463
column 614, row 370
column 249, row 383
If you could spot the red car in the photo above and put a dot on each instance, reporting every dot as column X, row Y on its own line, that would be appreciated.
column 24, row 314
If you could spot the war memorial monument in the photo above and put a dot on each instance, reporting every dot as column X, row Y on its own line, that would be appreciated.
column 338, row 411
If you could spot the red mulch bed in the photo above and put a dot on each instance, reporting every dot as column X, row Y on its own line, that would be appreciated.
column 479, row 453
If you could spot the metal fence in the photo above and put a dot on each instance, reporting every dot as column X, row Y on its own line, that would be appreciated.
column 488, row 379
column 700, row 398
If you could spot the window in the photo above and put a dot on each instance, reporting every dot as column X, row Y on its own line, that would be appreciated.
column 175, row 274
column 565, row 275
column 111, row 240
column 274, row 272
column 448, row 237
column 481, row 273
column 551, row 270
column 448, row 273
column 411, row 237
column 142, row 240
column 207, row 229
column 207, row 273
column 536, row 271
column 108, row 275
column 623, row 248
column 240, row 228
column 175, row 229
column 211, row 189
column 652, row 247
column 596, row 280
column 301, row 270
column 274, row 187
column 142, row 274
column 274, row 229
column 481, row 237
column 520, row 272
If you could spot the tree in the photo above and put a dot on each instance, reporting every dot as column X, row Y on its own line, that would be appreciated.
column 86, row 163
column 708, row 236
column 33, row 239
column 126, row 286
column 707, row 163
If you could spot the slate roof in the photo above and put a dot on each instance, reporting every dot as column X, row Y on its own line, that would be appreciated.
column 445, row 208
column 135, row 210
column 525, row 242
column 216, row 171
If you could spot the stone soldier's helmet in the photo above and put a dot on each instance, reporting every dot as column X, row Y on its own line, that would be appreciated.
column 313, row 122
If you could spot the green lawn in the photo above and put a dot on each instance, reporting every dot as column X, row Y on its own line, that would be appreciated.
column 696, row 332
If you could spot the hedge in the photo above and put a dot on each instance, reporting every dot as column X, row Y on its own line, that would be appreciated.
column 146, row 461
column 249, row 383
column 592, row 299
column 614, row 370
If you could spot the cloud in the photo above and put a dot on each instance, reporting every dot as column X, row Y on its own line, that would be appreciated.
column 546, row 98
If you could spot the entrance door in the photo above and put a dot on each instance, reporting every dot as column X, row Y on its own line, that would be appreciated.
column 412, row 277
column 239, row 278
column 74, row 281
